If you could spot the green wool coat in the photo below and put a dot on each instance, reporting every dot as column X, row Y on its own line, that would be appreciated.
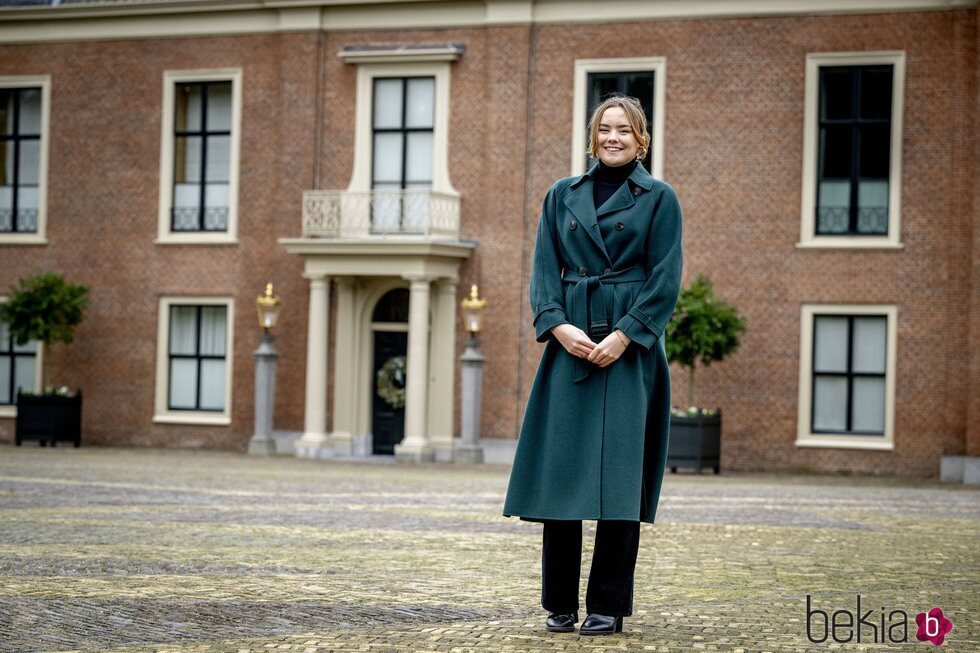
column 593, row 442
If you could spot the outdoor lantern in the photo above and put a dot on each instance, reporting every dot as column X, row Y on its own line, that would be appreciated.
column 473, row 312
column 267, row 306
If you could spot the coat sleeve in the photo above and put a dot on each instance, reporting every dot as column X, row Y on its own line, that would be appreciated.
column 546, row 292
column 646, row 320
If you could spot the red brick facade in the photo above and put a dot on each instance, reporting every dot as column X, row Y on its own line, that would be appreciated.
column 733, row 143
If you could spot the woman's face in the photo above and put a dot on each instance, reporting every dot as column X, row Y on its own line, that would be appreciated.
column 617, row 142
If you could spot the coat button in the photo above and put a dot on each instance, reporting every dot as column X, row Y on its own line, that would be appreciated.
column 607, row 271
column 620, row 226
column 582, row 271
column 572, row 224
column 636, row 190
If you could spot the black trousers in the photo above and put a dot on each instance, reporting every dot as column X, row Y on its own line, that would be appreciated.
column 610, row 590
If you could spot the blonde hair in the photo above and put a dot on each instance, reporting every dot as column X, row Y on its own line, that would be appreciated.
column 634, row 114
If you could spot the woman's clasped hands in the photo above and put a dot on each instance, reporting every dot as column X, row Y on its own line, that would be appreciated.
column 577, row 343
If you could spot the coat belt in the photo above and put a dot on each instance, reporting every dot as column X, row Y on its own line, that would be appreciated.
column 588, row 296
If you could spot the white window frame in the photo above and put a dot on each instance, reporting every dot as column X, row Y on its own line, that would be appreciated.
column 170, row 78
column 407, row 65
column 40, row 236
column 804, row 436
column 10, row 410
column 657, row 65
column 162, row 414
column 814, row 61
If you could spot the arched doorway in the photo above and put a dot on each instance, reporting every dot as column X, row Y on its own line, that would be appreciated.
column 389, row 329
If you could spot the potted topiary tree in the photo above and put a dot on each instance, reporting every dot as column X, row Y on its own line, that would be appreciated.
column 44, row 307
column 704, row 329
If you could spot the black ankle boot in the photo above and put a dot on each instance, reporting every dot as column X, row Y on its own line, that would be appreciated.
column 600, row 624
column 562, row 623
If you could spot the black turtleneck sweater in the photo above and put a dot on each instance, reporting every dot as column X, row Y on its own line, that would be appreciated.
column 607, row 179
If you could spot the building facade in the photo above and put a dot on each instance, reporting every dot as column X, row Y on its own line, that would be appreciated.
column 373, row 161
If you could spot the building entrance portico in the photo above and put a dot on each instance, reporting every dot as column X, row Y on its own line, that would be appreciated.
column 381, row 290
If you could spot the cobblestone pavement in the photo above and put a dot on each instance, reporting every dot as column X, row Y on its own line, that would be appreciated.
column 159, row 550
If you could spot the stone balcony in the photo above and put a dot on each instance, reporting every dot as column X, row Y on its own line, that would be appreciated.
column 380, row 213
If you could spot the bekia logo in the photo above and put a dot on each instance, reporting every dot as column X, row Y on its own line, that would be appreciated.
column 844, row 626
column 933, row 626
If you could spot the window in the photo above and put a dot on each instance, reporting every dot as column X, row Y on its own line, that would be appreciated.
column 19, row 369
column 852, row 170
column 194, row 371
column 847, row 376
column 202, row 135
column 24, row 102
column 199, row 157
column 852, row 158
column 597, row 78
column 599, row 85
column 402, row 121
column 400, row 182
column 402, row 125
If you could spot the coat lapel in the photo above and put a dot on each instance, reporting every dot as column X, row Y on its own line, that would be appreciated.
column 579, row 201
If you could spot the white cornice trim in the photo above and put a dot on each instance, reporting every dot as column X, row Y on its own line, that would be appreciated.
column 174, row 18
column 402, row 53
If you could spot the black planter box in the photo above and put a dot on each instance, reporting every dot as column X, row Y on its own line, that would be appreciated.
column 49, row 418
column 695, row 441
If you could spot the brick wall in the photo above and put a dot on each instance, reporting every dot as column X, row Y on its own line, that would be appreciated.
column 732, row 149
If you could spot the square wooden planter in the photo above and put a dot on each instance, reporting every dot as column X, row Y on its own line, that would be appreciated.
column 695, row 441
column 48, row 419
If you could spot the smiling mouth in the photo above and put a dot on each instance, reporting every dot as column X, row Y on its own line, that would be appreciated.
column 614, row 149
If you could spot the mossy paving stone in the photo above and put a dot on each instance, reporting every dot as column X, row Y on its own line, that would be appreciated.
column 151, row 550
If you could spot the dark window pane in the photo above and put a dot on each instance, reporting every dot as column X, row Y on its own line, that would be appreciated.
column 875, row 149
column 836, row 92
column 640, row 86
column 835, row 151
column 393, row 307
column 601, row 85
column 876, row 92
column 7, row 99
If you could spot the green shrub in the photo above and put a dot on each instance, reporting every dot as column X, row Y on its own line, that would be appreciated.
column 703, row 329
column 46, row 308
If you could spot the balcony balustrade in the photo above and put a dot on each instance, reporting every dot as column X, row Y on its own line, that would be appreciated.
column 380, row 212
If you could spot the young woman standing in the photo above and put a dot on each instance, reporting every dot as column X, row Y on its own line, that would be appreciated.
column 605, row 277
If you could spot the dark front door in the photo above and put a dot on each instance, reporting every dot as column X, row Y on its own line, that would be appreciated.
column 388, row 380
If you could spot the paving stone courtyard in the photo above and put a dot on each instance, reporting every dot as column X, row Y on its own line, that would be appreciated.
column 112, row 549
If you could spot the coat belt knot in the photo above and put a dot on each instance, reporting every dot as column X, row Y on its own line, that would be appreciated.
column 587, row 307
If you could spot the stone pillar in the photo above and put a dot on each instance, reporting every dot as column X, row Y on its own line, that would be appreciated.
column 416, row 444
column 314, row 443
column 266, row 355
column 344, row 368
column 442, row 366
column 468, row 449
